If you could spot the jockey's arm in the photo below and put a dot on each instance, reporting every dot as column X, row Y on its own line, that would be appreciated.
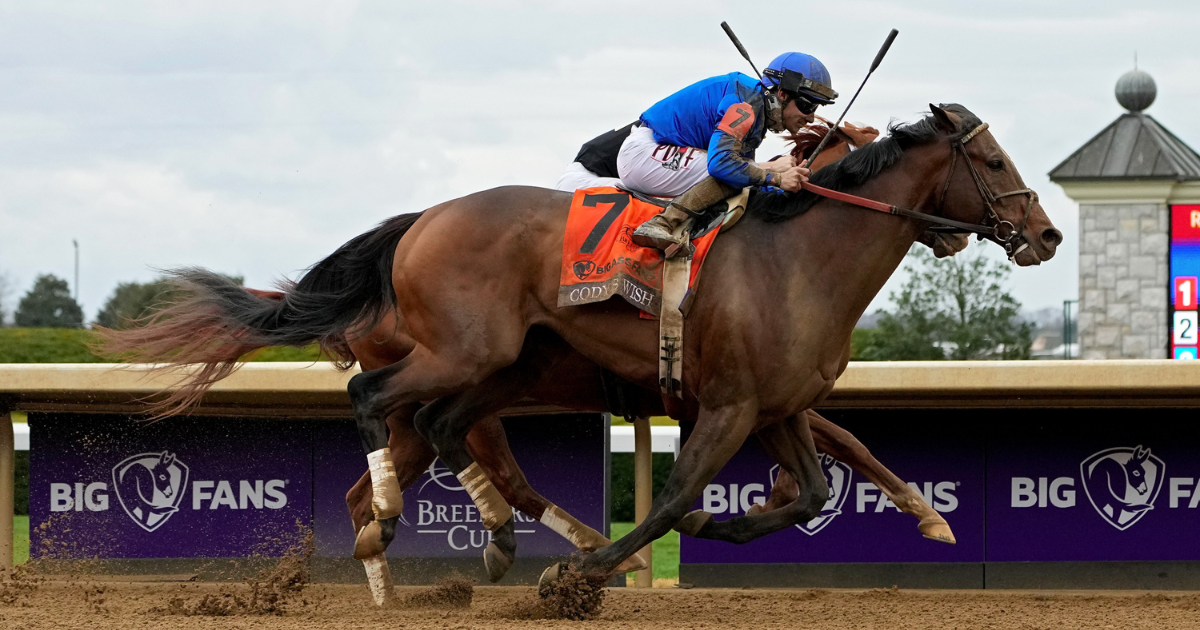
column 726, row 159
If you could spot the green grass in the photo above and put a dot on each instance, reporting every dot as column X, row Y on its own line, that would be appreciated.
column 666, row 552
column 21, row 539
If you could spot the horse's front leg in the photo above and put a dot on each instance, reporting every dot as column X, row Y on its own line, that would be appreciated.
column 843, row 446
column 790, row 444
column 718, row 435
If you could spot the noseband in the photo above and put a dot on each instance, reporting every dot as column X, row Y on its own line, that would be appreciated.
column 993, row 227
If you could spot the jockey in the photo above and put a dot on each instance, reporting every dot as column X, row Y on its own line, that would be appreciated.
column 698, row 144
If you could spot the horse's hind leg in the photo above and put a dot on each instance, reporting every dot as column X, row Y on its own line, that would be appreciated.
column 790, row 444
column 410, row 456
column 843, row 446
column 488, row 445
column 422, row 375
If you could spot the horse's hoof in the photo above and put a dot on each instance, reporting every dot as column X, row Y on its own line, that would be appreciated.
column 369, row 541
column 496, row 562
column 757, row 508
column 693, row 522
column 633, row 563
column 937, row 529
column 549, row 577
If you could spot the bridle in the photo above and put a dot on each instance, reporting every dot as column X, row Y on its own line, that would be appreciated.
column 1002, row 232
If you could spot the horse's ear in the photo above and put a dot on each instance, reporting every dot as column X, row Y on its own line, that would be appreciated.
column 944, row 121
column 1140, row 454
column 166, row 458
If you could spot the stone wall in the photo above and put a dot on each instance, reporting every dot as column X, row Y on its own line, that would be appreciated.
column 1123, row 281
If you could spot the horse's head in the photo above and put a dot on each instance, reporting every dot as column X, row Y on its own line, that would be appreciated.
column 162, row 473
column 1134, row 473
column 988, row 190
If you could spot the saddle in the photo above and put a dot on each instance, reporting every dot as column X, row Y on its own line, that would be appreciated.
column 600, row 261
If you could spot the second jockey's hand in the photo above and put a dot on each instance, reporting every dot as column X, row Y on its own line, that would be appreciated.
column 791, row 179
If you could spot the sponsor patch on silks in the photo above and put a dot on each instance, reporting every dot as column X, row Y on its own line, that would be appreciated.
column 601, row 260
column 738, row 120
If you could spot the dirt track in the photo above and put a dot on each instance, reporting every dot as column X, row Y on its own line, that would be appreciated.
column 108, row 605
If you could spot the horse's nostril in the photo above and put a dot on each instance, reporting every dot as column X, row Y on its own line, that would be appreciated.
column 1051, row 237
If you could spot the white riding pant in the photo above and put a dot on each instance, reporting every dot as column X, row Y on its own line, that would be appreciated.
column 662, row 170
column 577, row 176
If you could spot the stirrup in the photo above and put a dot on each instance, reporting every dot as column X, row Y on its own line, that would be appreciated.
column 685, row 249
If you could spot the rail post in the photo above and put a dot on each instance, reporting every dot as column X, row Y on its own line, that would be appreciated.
column 7, row 461
column 643, row 493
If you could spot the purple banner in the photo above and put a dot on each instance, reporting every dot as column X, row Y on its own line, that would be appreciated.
column 564, row 457
column 1100, row 490
column 859, row 523
column 111, row 487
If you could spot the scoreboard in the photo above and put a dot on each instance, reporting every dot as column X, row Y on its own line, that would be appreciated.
column 1185, row 270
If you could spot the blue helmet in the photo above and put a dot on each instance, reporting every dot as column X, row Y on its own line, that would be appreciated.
column 798, row 73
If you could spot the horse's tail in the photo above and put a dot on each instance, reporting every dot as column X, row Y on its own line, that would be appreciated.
column 215, row 322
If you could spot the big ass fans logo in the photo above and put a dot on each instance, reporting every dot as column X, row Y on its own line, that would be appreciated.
column 738, row 498
column 149, row 487
column 1122, row 485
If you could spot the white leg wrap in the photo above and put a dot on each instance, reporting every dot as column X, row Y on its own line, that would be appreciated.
column 493, row 509
column 583, row 537
column 379, row 578
column 386, row 500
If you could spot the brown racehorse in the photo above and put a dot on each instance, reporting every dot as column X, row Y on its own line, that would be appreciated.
column 767, row 334
column 555, row 374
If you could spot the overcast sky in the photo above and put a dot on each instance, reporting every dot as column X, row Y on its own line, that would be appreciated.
column 255, row 137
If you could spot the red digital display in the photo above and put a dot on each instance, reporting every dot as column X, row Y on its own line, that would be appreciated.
column 1185, row 223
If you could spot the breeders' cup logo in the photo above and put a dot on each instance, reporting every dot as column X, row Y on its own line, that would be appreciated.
column 439, row 474
column 448, row 512
column 837, row 476
column 149, row 487
column 1122, row 483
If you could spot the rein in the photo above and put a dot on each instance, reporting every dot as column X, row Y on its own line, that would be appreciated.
column 993, row 229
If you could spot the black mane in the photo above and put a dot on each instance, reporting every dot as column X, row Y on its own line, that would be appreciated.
column 856, row 168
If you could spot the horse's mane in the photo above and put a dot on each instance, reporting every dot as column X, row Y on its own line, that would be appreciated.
column 857, row 168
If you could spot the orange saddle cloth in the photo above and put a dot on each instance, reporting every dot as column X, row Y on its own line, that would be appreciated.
column 601, row 260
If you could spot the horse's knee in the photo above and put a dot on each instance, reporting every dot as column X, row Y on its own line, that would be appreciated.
column 810, row 504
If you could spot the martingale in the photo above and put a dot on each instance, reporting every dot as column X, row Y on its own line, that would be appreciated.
column 599, row 259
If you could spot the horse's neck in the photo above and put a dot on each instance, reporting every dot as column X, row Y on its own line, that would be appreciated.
column 848, row 253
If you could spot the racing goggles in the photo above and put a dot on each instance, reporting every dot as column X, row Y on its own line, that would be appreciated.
column 805, row 106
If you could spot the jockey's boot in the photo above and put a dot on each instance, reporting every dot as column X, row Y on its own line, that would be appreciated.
column 659, row 231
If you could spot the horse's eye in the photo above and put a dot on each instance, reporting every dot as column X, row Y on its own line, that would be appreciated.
column 995, row 165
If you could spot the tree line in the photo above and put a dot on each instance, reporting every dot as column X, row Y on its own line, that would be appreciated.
column 48, row 304
column 951, row 308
